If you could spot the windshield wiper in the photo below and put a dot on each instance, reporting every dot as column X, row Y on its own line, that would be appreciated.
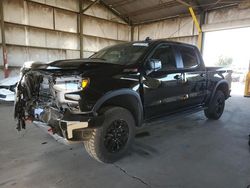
column 98, row 58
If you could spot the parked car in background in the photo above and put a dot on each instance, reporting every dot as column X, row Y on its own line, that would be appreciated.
column 7, row 88
column 238, row 76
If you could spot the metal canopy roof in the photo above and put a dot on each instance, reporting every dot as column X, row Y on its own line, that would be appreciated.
column 143, row 11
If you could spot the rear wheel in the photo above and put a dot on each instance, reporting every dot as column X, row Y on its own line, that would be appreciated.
column 216, row 108
column 113, row 139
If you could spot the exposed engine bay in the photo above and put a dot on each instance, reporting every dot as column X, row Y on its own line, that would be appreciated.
column 46, row 97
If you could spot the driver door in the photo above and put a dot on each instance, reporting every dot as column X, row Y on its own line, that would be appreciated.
column 163, row 92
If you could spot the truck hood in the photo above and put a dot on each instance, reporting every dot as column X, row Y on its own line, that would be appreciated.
column 86, row 66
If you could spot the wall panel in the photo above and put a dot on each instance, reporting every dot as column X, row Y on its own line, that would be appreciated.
column 227, row 18
column 63, row 4
column 15, row 34
column 93, row 44
column 14, row 11
column 72, row 54
column 45, row 30
column 227, row 14
column 40, row 15
column 53, row 55
column 36, row 37
column 72, row 5
column 17, row 55
column 61, row 40
column 99, row 28
column 87, row 54
column 177, row 29
column 123, row 32
column 65, row 21
column 68, row 41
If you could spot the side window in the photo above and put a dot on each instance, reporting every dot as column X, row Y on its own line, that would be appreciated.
column 189, row 57
column 166, row 56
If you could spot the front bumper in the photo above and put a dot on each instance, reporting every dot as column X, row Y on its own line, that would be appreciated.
column 73, row 126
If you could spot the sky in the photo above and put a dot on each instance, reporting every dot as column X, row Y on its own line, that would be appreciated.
column 234, row 43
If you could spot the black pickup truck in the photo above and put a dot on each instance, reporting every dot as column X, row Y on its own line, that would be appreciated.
column 101, row 100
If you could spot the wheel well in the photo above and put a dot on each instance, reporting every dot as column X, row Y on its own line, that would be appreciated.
column 224, row 88
column 129, row 102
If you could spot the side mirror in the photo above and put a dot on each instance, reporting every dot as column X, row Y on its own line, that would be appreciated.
column 154, row 64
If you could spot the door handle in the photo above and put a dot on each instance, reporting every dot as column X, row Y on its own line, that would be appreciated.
column 177, row 77
column 202, row 74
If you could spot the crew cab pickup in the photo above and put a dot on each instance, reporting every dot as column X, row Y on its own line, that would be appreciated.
column 101, row 100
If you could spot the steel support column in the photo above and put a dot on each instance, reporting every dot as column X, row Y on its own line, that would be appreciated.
column 197, row 26
column 202, row 22
column 81, row 12
column 132, row 28
column 81, row 28
column 5, row 62
column 132, row 32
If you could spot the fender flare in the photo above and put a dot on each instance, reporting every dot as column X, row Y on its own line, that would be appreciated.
column 119, row 92
column 216, row 87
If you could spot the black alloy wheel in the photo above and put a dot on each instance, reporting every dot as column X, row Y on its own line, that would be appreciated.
column 113, row 138
column 216, row 107
column 219, row 108
column 116, row 136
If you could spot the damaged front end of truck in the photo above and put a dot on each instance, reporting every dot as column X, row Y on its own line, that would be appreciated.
column 50, row 96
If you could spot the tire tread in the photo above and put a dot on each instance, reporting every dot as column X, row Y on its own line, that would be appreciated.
column 209, row 112
column 92, row 146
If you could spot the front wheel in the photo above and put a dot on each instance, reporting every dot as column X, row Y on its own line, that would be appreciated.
column 216, row 108
column 113, row 139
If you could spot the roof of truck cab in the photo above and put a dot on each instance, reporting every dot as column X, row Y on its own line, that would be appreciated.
column 159, row 41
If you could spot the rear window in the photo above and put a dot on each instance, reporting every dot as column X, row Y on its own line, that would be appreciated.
column 189, row 57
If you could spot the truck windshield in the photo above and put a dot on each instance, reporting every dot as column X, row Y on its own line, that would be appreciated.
column 122, row 54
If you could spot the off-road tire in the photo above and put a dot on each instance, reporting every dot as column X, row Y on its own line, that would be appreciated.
column 96, row 146
column 216, row 107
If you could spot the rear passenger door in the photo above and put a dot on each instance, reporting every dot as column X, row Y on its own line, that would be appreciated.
column 194, row 75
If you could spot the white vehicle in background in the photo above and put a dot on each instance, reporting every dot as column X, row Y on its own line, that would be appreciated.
column 7, row 88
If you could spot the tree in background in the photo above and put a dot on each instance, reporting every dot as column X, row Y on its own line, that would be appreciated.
column 224, row 61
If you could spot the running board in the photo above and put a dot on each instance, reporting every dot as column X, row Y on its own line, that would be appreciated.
column 173, row 116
